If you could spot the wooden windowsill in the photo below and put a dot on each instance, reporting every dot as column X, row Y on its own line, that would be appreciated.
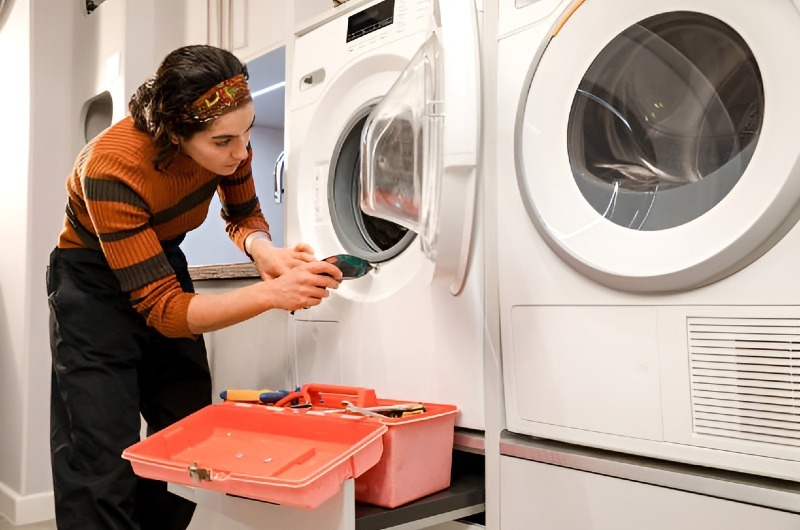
column 224, row 271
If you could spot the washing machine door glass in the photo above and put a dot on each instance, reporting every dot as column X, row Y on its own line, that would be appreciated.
column 665, row 121
column 401, row 149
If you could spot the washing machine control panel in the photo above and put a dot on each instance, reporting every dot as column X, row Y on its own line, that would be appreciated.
column 370, row 19
column 387, row 20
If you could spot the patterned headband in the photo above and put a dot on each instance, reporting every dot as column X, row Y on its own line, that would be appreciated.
column 215, row 100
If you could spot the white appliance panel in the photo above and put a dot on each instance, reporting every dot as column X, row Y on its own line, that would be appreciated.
column 536, row 495
column 602, row 368
column 516, row 15
column 731, row 270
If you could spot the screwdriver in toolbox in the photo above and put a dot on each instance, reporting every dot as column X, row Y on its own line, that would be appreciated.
column 253, row 396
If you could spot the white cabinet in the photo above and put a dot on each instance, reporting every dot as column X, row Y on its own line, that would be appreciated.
column 305, row 10
column 249, row 28
column 253, row 354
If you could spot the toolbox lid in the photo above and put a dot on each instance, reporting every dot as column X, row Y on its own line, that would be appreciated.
column 280, row 455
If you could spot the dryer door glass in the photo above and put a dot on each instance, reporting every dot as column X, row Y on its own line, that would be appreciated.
column 665, row 121
column 401, row 151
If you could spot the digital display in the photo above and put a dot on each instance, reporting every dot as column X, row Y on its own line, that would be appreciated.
column 371, row 19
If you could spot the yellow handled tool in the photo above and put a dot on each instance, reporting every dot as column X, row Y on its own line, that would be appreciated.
column 253, row 396
column 246, row 396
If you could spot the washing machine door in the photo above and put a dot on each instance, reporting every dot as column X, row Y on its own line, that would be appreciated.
column 653, row 142
column 419, row 145
column 401, row 148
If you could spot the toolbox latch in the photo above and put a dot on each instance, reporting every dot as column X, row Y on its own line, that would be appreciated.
column 199, row 474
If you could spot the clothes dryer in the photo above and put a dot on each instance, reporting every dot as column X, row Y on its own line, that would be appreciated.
column 390, row 89
column 648, row 194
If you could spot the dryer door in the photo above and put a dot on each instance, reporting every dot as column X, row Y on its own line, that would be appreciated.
column 660, row 157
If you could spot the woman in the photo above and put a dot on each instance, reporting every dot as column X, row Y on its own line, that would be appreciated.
column 126, row 324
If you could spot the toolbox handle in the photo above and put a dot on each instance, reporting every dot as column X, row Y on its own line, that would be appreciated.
column 331, row 396
column 299, row 397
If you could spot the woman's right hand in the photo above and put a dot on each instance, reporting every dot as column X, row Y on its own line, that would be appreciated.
column 272, row 261
column 303, row 286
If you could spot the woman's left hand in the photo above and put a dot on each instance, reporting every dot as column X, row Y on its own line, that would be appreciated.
column 272, row 261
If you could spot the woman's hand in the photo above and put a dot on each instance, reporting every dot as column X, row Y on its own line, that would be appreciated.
column 304, row 285
column 301, row 286
column 272, row 261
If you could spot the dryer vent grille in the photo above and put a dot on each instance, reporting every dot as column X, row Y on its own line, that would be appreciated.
column 745, row 378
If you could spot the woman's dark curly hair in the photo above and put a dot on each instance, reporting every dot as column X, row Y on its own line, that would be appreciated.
column 182, row 77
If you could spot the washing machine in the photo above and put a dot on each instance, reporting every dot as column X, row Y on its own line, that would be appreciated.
column 648, row 195
column 381, row 158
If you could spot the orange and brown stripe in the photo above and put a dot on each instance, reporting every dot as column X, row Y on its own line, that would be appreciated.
column 119, row 204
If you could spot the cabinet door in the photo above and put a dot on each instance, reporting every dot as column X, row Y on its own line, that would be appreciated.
column 249, row 28
column 197, row 23
column 306, row 10
column 254, row 27
column 176, row 22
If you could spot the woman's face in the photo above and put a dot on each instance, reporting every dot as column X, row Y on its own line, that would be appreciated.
column 223, row 146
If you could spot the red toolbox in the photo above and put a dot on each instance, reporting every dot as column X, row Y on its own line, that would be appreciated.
column 301, row 456
column 417, row 448
column 285, row 456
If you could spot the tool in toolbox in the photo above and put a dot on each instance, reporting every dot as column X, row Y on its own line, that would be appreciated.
column 301, row 398
column 328, row 397
column 349, row 407
column 253, row 396
column 398, row 410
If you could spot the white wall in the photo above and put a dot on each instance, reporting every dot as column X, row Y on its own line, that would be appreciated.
column 58, row 58
column 51, row 157
column 35, row 51
column 251, row 354
column 15, row 50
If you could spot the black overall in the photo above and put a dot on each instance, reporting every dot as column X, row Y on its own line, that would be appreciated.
column 108, row 367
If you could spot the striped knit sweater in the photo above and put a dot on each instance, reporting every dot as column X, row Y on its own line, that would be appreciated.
column 120, row 204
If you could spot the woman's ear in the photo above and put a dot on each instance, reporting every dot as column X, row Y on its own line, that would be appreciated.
column 174, row 138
